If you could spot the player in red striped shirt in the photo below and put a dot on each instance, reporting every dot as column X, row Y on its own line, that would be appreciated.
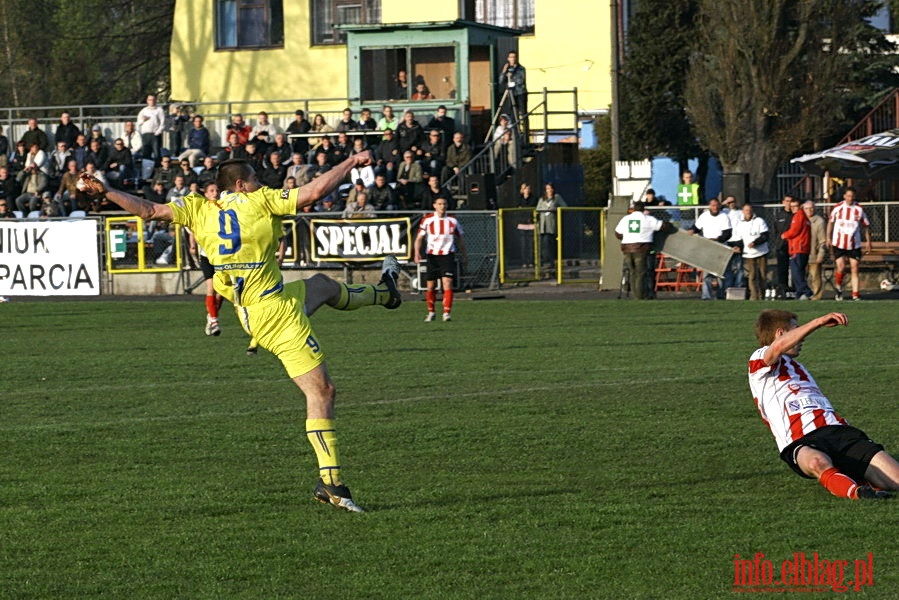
column 444, row 236
column 812, row 438
column 844, row 226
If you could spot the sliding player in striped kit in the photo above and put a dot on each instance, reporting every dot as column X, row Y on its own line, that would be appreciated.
column 812, row 438
column 844, row 237
column 444, row 236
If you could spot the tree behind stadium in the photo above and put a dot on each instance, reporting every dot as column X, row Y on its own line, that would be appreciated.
column 85, row 52
column 769, row 78
column 653, row 76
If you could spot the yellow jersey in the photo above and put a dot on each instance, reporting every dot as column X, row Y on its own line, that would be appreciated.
column 240, row 234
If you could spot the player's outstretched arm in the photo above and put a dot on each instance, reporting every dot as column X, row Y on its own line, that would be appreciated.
column 321, row 186
column 149, row 211
column 789, row 339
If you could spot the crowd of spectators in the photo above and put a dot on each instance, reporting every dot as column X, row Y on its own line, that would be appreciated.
column 165, row 154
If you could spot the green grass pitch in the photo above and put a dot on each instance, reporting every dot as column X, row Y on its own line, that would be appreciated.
column 528, row 449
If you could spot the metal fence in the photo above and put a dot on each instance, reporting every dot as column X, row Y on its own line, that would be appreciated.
column 579, row 245
column 518, row 245
column 574, row 255
column 132, row 245
column 480, row 238
column 883, row 216
column 503, row 246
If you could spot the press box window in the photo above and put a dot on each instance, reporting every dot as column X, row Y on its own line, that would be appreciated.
column 249, row 23
column 435, row 66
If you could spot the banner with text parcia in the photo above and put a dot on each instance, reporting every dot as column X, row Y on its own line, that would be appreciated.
column 361, row 239
column 49, row 258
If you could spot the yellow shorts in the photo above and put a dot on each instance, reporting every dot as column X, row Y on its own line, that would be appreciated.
column 281, row 327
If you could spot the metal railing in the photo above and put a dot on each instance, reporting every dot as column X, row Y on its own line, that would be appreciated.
column 791, row 179
column 503, row 246
column 883, row 116
column 487, row 160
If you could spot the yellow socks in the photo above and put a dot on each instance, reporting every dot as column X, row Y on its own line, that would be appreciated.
column 323, row 437
column 355, row 296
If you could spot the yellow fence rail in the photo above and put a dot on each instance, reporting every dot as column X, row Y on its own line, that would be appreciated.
column 133, row 246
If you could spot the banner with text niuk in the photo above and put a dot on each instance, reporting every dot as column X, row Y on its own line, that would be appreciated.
column 361, row 239
column 49, row 258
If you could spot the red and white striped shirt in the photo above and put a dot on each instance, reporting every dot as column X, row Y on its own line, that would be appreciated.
column 441, row 232
column 846, row 231
column 788, row 399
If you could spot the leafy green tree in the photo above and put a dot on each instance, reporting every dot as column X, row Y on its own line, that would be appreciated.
column 770, row 78
column 111, row 51
column 597, row 165
column 26, row 33
column 653, row 121
column 57, row 52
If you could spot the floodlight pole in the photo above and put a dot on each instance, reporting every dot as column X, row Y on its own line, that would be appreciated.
column 614, row 111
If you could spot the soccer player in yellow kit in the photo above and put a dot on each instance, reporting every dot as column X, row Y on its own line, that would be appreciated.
column 240, row 233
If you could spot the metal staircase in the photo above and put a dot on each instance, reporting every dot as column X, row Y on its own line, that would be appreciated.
column 885, row 115
column 505, row 171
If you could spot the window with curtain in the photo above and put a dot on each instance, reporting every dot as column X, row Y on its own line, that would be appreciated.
column 328, row 13
column 249, row 24
column 514, row 14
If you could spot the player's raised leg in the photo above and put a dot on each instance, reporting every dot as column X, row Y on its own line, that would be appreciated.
column 321, row 289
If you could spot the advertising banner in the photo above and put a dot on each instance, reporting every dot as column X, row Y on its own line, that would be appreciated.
column 49, row 258
column 361, row 239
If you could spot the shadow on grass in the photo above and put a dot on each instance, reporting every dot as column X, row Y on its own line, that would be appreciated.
column 449, row 500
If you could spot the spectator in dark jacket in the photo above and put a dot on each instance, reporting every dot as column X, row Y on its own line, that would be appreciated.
column 35, row 135
column 458, row 154
column 275, row 173
column 66, row 131
column 119, row 163
column 197, row 143
column 381, row 195
column 780, row 223
column 410, row 135
column 388, row 155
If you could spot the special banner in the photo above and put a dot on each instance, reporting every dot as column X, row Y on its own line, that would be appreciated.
column 49, row 258
column 361, row 239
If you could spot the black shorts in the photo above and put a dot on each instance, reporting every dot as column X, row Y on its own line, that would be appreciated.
column 441, row 265
column 849, row 448
column 840, row 253
column 206, row 267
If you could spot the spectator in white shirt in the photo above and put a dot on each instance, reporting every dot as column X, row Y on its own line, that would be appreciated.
column 150, row 124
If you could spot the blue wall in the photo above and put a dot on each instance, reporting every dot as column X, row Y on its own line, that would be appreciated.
column 666, row 177
column 588, row 134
